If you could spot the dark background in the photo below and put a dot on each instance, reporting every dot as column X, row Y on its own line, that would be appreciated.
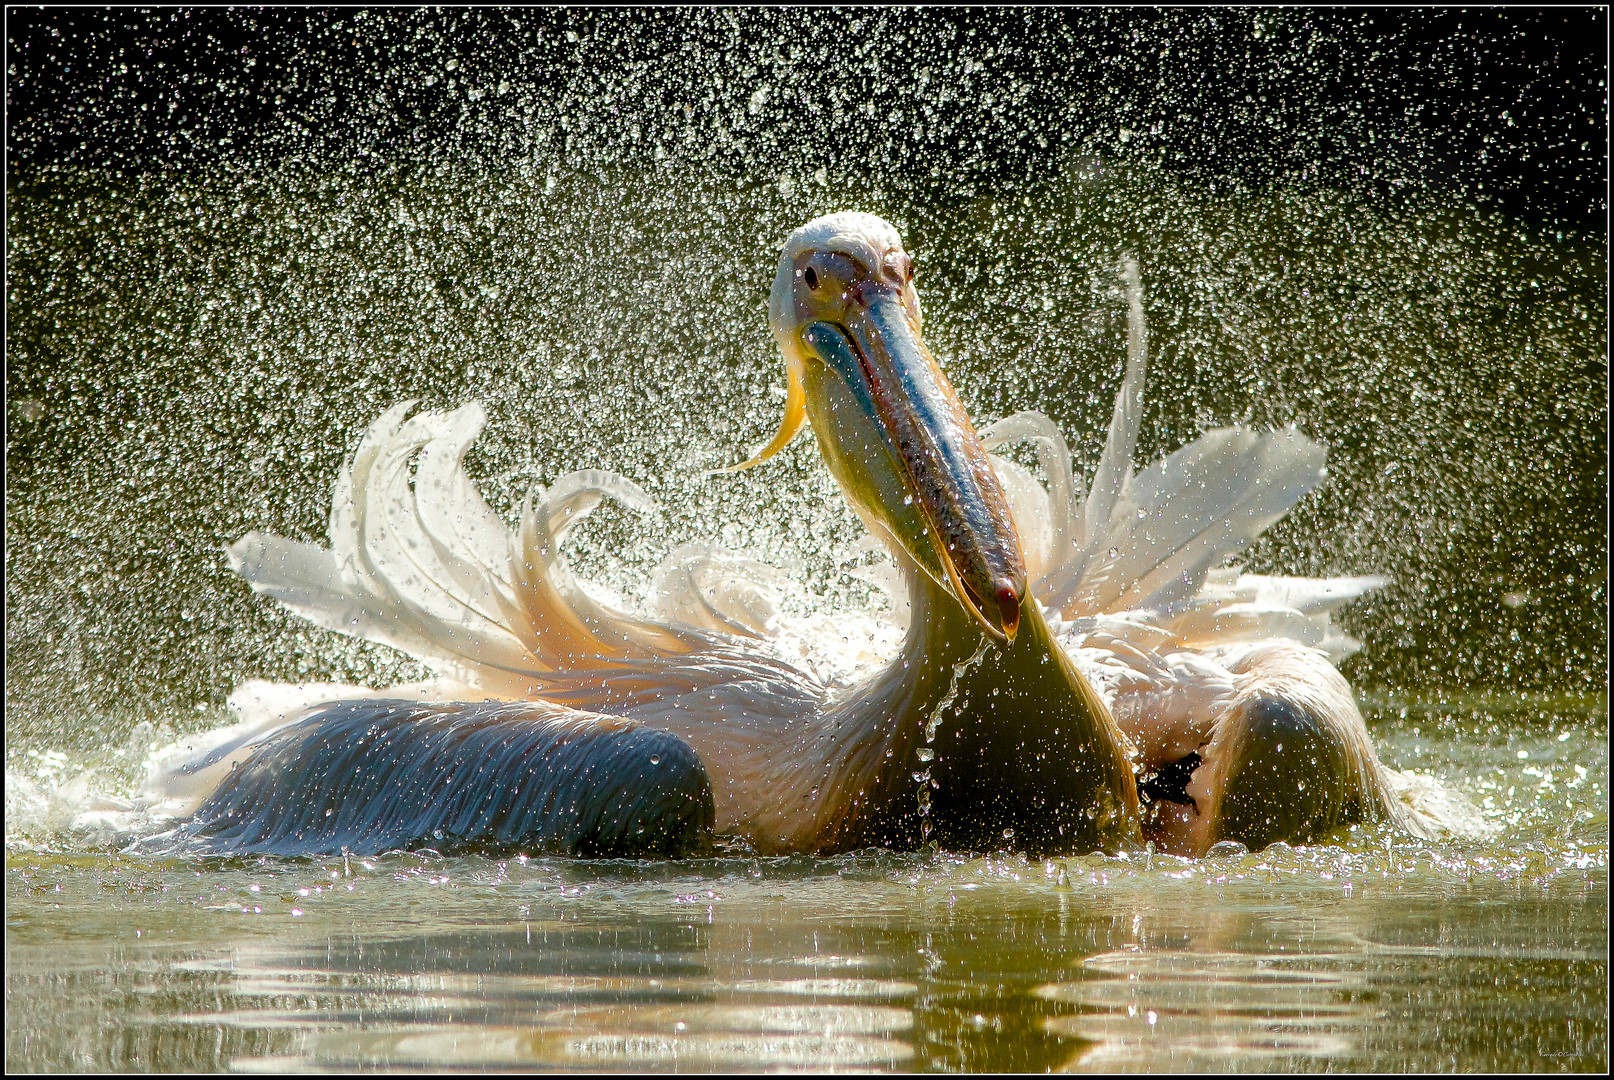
column 1506, row 107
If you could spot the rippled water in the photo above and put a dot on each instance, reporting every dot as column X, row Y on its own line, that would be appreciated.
column 1373, row 952
column 202, row 318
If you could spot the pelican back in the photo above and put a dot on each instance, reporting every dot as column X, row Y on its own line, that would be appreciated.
column 366, row 777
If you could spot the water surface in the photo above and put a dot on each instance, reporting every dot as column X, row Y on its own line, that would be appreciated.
column 1371, row 953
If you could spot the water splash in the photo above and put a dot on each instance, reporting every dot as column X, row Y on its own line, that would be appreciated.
column 927, row 752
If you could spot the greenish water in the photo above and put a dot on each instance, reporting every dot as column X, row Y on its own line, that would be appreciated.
column 1370, row 953
column 190, row 356
column 867, row 961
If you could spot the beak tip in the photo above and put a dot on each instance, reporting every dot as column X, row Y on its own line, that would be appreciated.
column 1008, row 608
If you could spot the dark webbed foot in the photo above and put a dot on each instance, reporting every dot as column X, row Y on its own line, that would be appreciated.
column 492, row 777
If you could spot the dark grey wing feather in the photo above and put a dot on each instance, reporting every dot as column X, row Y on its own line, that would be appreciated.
column 493, row 777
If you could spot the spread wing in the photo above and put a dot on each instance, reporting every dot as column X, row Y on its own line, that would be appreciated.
column 419, row 561
column 1135, row 569
column 1153, row 542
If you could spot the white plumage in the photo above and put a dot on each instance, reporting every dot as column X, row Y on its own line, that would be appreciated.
column 1133, row 576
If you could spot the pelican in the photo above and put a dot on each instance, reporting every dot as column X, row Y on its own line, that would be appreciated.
column 1061, row 654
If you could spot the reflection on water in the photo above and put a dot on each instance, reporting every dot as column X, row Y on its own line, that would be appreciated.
column 1372, row 952
column 1366, row 955
column 1170, row 1009
column 1181, row 1010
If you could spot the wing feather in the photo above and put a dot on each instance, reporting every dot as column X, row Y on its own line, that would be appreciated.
column 1114, row 474
column 710, row 588
column 1067, row 527
column 1031, row 509
column 419, row 561
column 1150, row 543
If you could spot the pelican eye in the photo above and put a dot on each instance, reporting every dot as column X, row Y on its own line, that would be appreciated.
column 812, row 278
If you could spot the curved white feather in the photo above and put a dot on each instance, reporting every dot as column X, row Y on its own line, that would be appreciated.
column 710, row 588
column 351, row 482
column 1114, row 473
column 1310, row 596
column 469, row 540
column 571, row 627
column 1064, row 490
column 1031, row 509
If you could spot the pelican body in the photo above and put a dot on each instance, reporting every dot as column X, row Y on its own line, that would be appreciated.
column 1057, row 650
column 372, row 776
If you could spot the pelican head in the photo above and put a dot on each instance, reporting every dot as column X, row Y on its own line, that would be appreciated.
column 890, row 428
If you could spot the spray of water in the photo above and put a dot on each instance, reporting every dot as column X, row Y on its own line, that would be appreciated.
column 257, row 230
column 927, row 753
